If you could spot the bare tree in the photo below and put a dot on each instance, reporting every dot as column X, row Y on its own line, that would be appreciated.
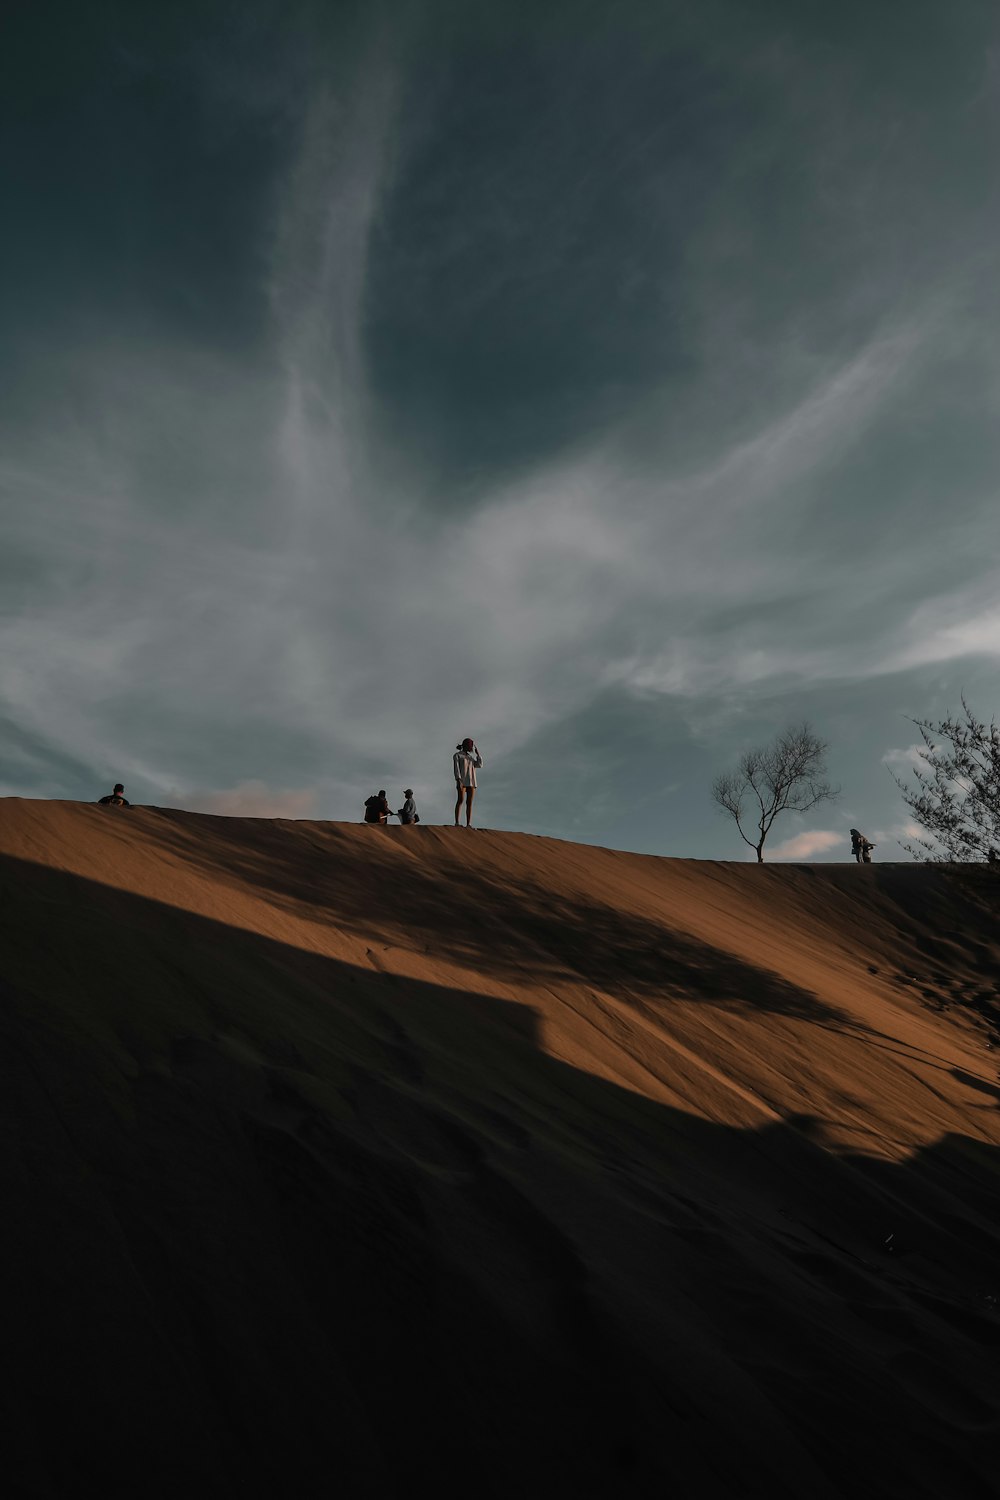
column 957, row 794
column 785, row 776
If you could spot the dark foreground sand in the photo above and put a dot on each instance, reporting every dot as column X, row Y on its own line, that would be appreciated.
column 348, row 1161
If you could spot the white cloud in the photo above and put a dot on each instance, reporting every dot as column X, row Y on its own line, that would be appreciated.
column 252, row 799
column 963, row 622
column 805, row 845
column 894, row 835
column 835, row 412
column 911, row 755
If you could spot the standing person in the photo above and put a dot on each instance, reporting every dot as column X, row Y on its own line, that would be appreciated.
column 861, row 848
column 115, row 798
column 408, row 812
column 467, row 761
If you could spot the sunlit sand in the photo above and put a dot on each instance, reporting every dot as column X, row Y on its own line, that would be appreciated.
column 348, row 1159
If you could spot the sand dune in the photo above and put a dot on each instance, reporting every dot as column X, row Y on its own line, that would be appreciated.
column 339, row 1160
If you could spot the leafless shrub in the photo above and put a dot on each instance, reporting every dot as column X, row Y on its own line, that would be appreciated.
column 785, row 776
column 956, row 799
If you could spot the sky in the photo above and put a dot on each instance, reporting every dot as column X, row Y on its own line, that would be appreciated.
column 616, row 384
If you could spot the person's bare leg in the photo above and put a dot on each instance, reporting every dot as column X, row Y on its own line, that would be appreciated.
column 458, row 804
column 470, row 792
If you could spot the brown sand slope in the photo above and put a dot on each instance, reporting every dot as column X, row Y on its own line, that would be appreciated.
column 340, row 1160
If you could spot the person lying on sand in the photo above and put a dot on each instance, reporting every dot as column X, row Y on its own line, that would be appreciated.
column 377, row 809
column 466, row 760
column 115, row 798
column 408, row 812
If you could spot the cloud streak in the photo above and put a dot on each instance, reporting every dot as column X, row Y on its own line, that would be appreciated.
column 806, row 845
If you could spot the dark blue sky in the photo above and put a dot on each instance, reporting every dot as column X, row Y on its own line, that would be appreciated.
column 614, row 383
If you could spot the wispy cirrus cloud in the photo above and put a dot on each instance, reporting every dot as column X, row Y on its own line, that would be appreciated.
column 960, row 623
column 902, row 832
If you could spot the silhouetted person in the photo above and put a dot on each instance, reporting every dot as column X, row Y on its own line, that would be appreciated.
column 115, row 798
column 377, row 809
column 408, row 812
column 467, row 761
column 861, row 847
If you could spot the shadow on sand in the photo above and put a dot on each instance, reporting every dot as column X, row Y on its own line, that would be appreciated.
column 469, row 914
column 275, row 1225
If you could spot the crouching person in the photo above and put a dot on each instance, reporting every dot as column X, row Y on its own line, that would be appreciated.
column 408, row 812
column 377, row 809
column 861, row 847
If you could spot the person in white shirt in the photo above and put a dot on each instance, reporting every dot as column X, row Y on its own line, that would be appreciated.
column 467, row 761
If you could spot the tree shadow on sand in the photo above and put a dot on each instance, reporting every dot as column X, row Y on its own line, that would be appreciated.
column 278, row 1225
column 950, row 917
column 469, row 915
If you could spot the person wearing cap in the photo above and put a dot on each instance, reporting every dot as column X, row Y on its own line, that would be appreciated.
column 408, row 812
column 115, row 798
column 467, row 761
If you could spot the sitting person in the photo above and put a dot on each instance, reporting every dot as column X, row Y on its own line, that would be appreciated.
column 377, row 809
column 115, row 798
column 408, row 812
